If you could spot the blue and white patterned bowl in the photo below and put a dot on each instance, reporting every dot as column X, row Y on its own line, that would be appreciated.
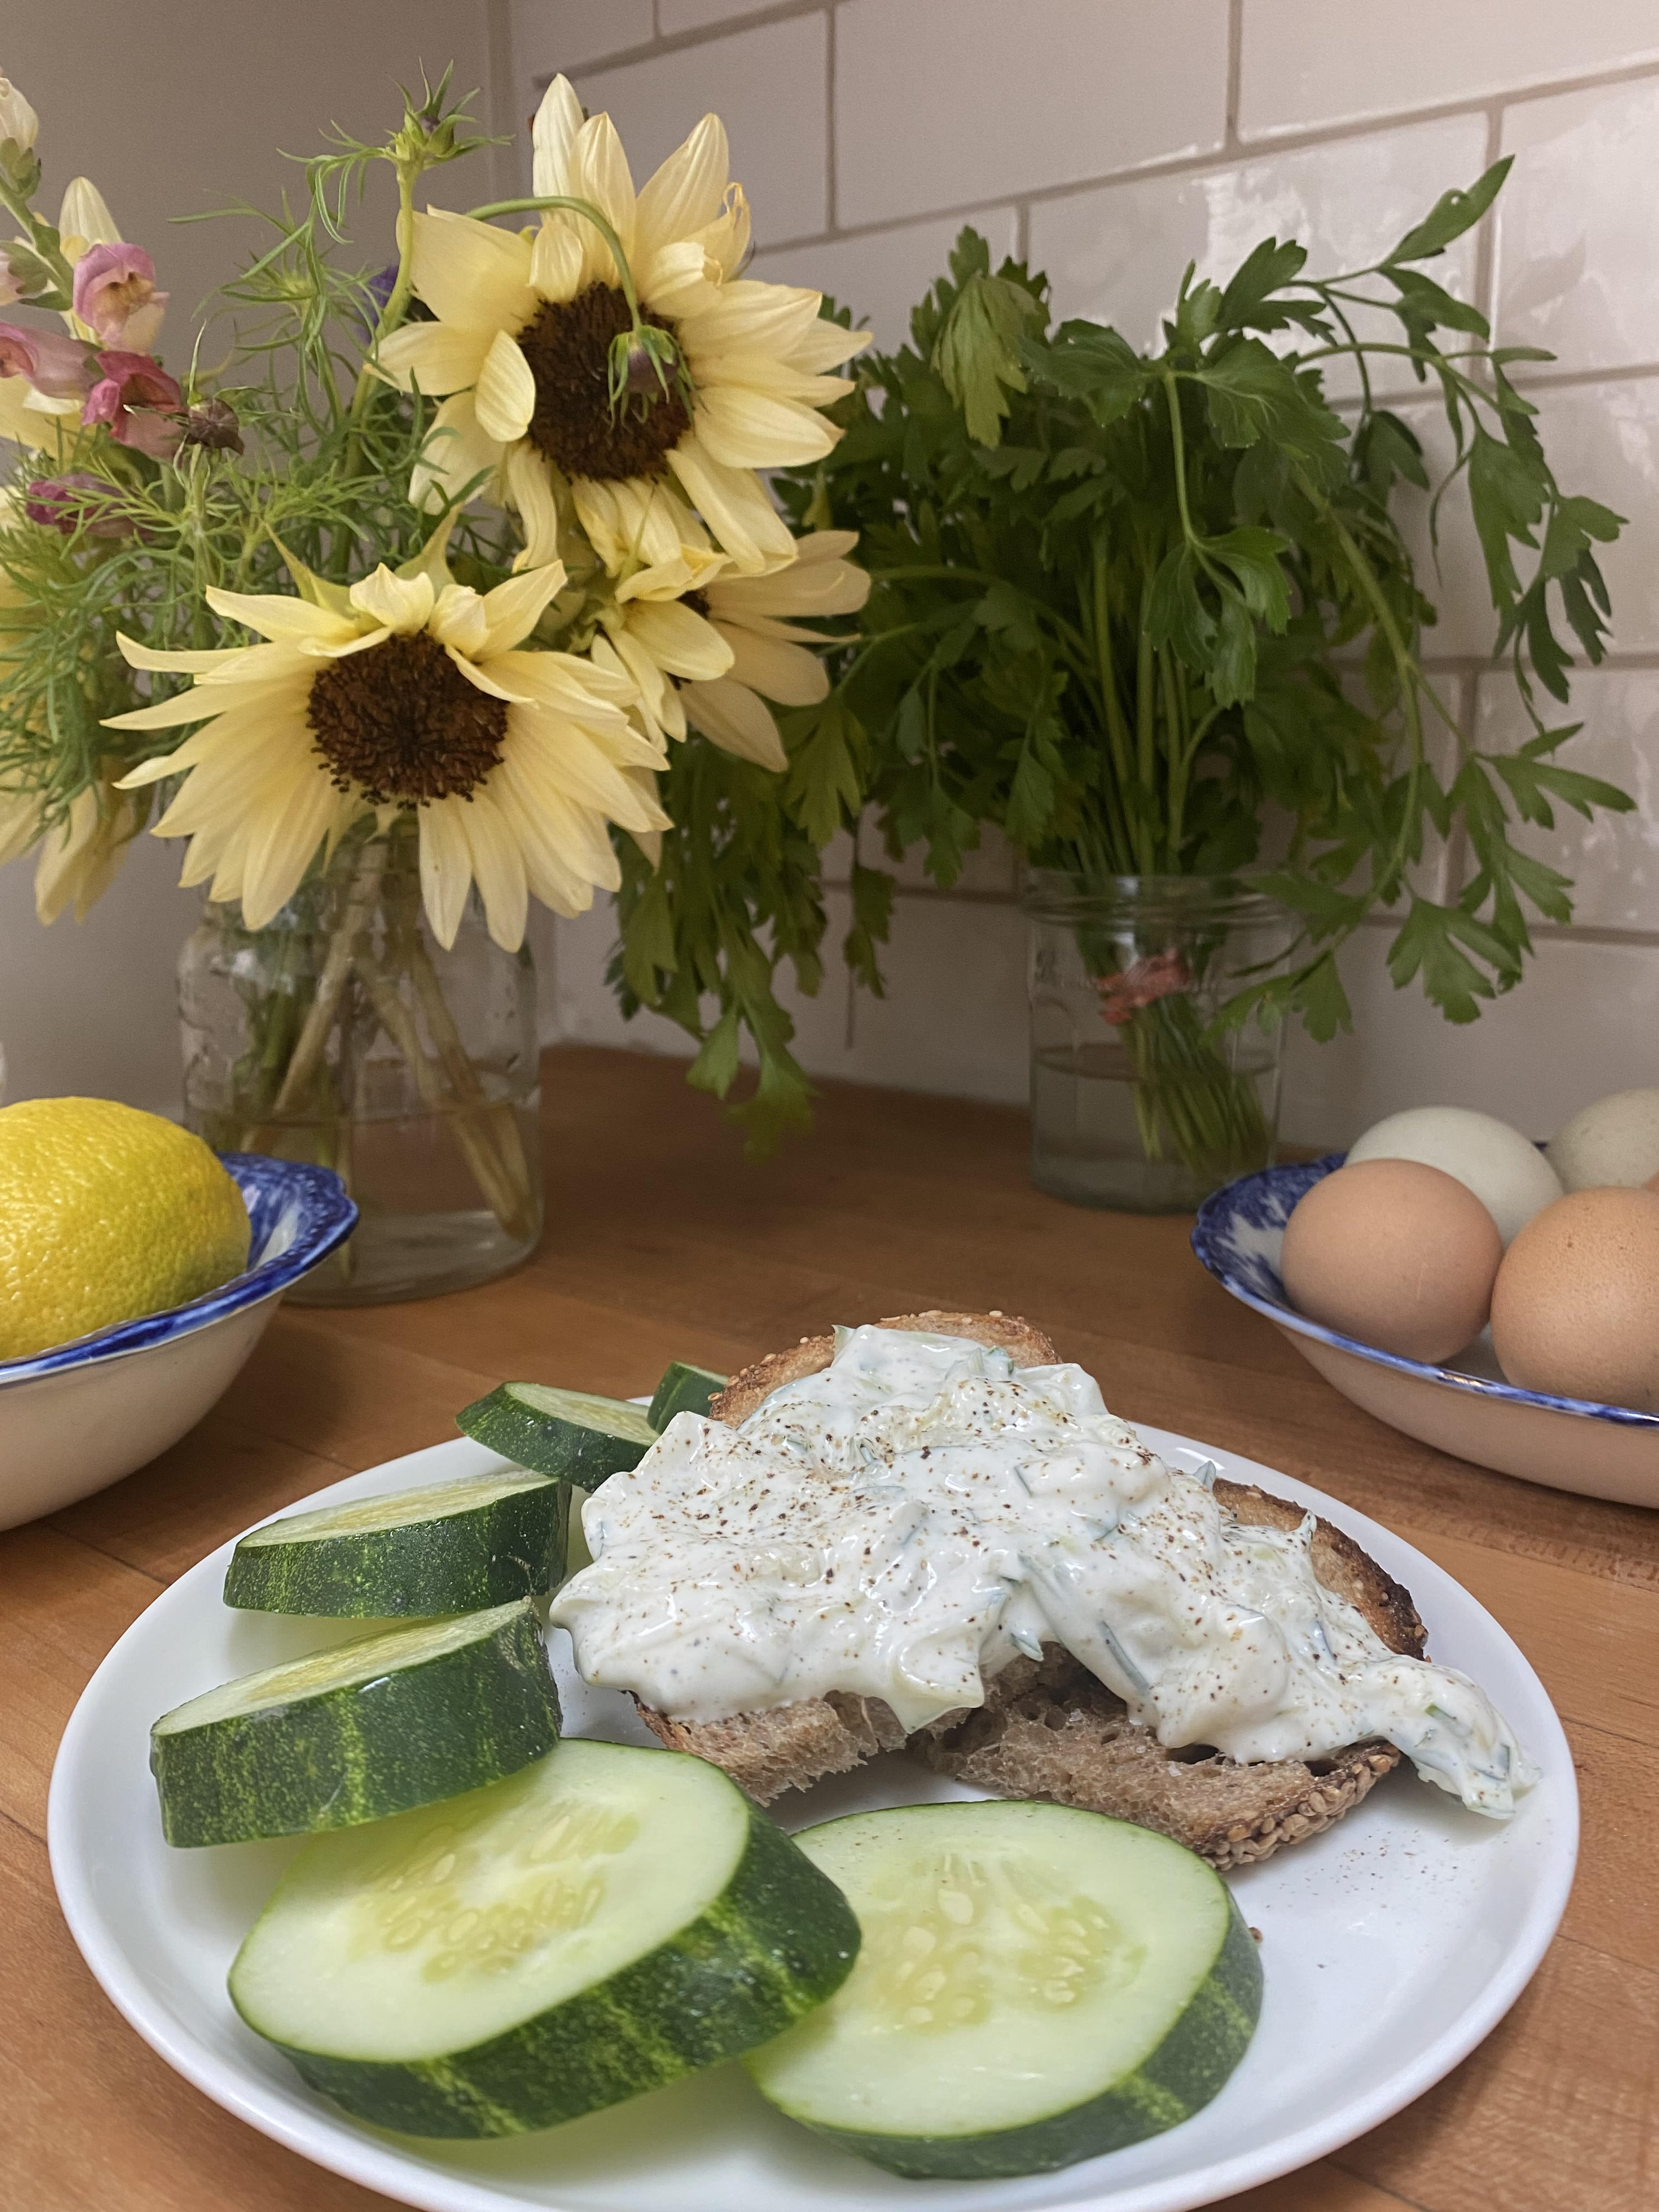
column 83, row 1414
column 1571, row 1443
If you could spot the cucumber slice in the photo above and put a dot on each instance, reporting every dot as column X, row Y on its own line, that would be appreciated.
column 606, row 1921
column 357, row 1732
column 683, row 1389
column 452, row 1547
column 568, row 1433
column 1036, row 1985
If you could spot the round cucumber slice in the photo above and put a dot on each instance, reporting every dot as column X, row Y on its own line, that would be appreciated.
column 570, row 1434
column 451, row 1548
column 604, row 1922
column 683, row 1389
column 357, row 1732
column 1036, row 1985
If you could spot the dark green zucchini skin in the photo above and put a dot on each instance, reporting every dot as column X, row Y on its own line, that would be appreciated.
column 779, row 1940
column 464, row 1562
column 684, row 1389
column 1188, row 2069
column 586, row 1457
column 359, row 1752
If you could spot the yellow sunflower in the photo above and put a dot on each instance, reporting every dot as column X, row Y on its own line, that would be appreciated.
column 78, row 860
column 736, row 643
column 408, row 692
column 526, row 325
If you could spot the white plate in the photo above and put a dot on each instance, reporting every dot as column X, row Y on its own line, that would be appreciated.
column 1392, row 1944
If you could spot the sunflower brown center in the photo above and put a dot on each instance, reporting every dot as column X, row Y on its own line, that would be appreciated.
column 400, row 723
column 568, row 344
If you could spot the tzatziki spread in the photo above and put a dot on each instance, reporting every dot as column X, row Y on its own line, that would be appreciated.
column 902, row 1524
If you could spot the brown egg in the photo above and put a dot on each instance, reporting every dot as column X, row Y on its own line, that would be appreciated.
column 1575, row 1311
column 1400, row 1255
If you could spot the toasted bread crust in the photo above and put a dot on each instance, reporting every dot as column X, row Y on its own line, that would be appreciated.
column 1051, row 1730
column 1054, row 1731
column 745, row 1392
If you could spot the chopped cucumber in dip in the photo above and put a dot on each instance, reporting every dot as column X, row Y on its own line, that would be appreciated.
column 604, row 1922
column 449, row 1548
column 569, row 1434
column 1036, row 1985
column 357, row 1732
column 684, row 1389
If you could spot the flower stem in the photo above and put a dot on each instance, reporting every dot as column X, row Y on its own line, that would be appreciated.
column 337, row 967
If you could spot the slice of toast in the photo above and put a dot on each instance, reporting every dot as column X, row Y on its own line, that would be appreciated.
column 792, row 1746
column 1051, row 1730
column 746, row 1392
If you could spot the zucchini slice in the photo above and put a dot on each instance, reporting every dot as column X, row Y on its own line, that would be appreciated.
column 569, row 1434
column 683, row 1389
column 604, row 1922
column 357, row 1732
column 452, row 1547
column 1036, row 1985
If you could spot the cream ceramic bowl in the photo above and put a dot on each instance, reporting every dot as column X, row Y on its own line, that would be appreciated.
column 75, row 1418
column 1571, row 1443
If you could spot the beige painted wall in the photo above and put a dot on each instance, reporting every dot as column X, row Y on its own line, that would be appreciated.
column 172, row 108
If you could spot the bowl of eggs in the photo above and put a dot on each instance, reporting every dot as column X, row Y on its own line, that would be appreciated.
column 1494, row 1298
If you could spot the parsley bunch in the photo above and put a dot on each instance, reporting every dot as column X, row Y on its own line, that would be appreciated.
column 1128, row 607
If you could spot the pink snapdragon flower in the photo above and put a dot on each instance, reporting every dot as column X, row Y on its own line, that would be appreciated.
column 139, row 404
column 55, row 366
column 115, row 295
column 71, row 503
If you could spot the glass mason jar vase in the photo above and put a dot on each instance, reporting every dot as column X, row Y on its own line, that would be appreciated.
column 1134, row 1104
column 344, row 1033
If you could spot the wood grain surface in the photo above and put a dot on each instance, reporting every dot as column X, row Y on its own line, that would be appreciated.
column 662, row 1242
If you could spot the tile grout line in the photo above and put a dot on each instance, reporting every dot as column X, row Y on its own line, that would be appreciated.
column 1486, row 236
column 665, row 43
column 831, row 149
column 1312, row 139
column 1234, row 72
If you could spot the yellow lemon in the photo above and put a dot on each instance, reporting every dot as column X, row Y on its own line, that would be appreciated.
column 106, row 1213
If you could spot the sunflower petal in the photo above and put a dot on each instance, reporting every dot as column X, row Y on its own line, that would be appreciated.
column 458, row 459
column 283, row 848
column 403, row 603
column 679, row 639
column 504, row 399
column 176, row 663
column 498, row 866
column 556, row 255
column 735, row 506
column 514, row 609
column 275, row 617
column 553, row 134
column 481, row 680
column 529, row 489
column 743, row 428
column 600, row 173
column 686, row 192
column 731, row 716
column 194, row 705
column 784, row 673
column 458, row 619
column 445, row 867
column 471, row 274
column 433, row 357
column 679, row 280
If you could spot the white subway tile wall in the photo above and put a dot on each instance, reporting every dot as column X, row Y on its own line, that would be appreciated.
column 1115, row 142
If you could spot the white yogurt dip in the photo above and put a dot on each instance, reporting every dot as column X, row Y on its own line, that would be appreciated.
column 902, row 1524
